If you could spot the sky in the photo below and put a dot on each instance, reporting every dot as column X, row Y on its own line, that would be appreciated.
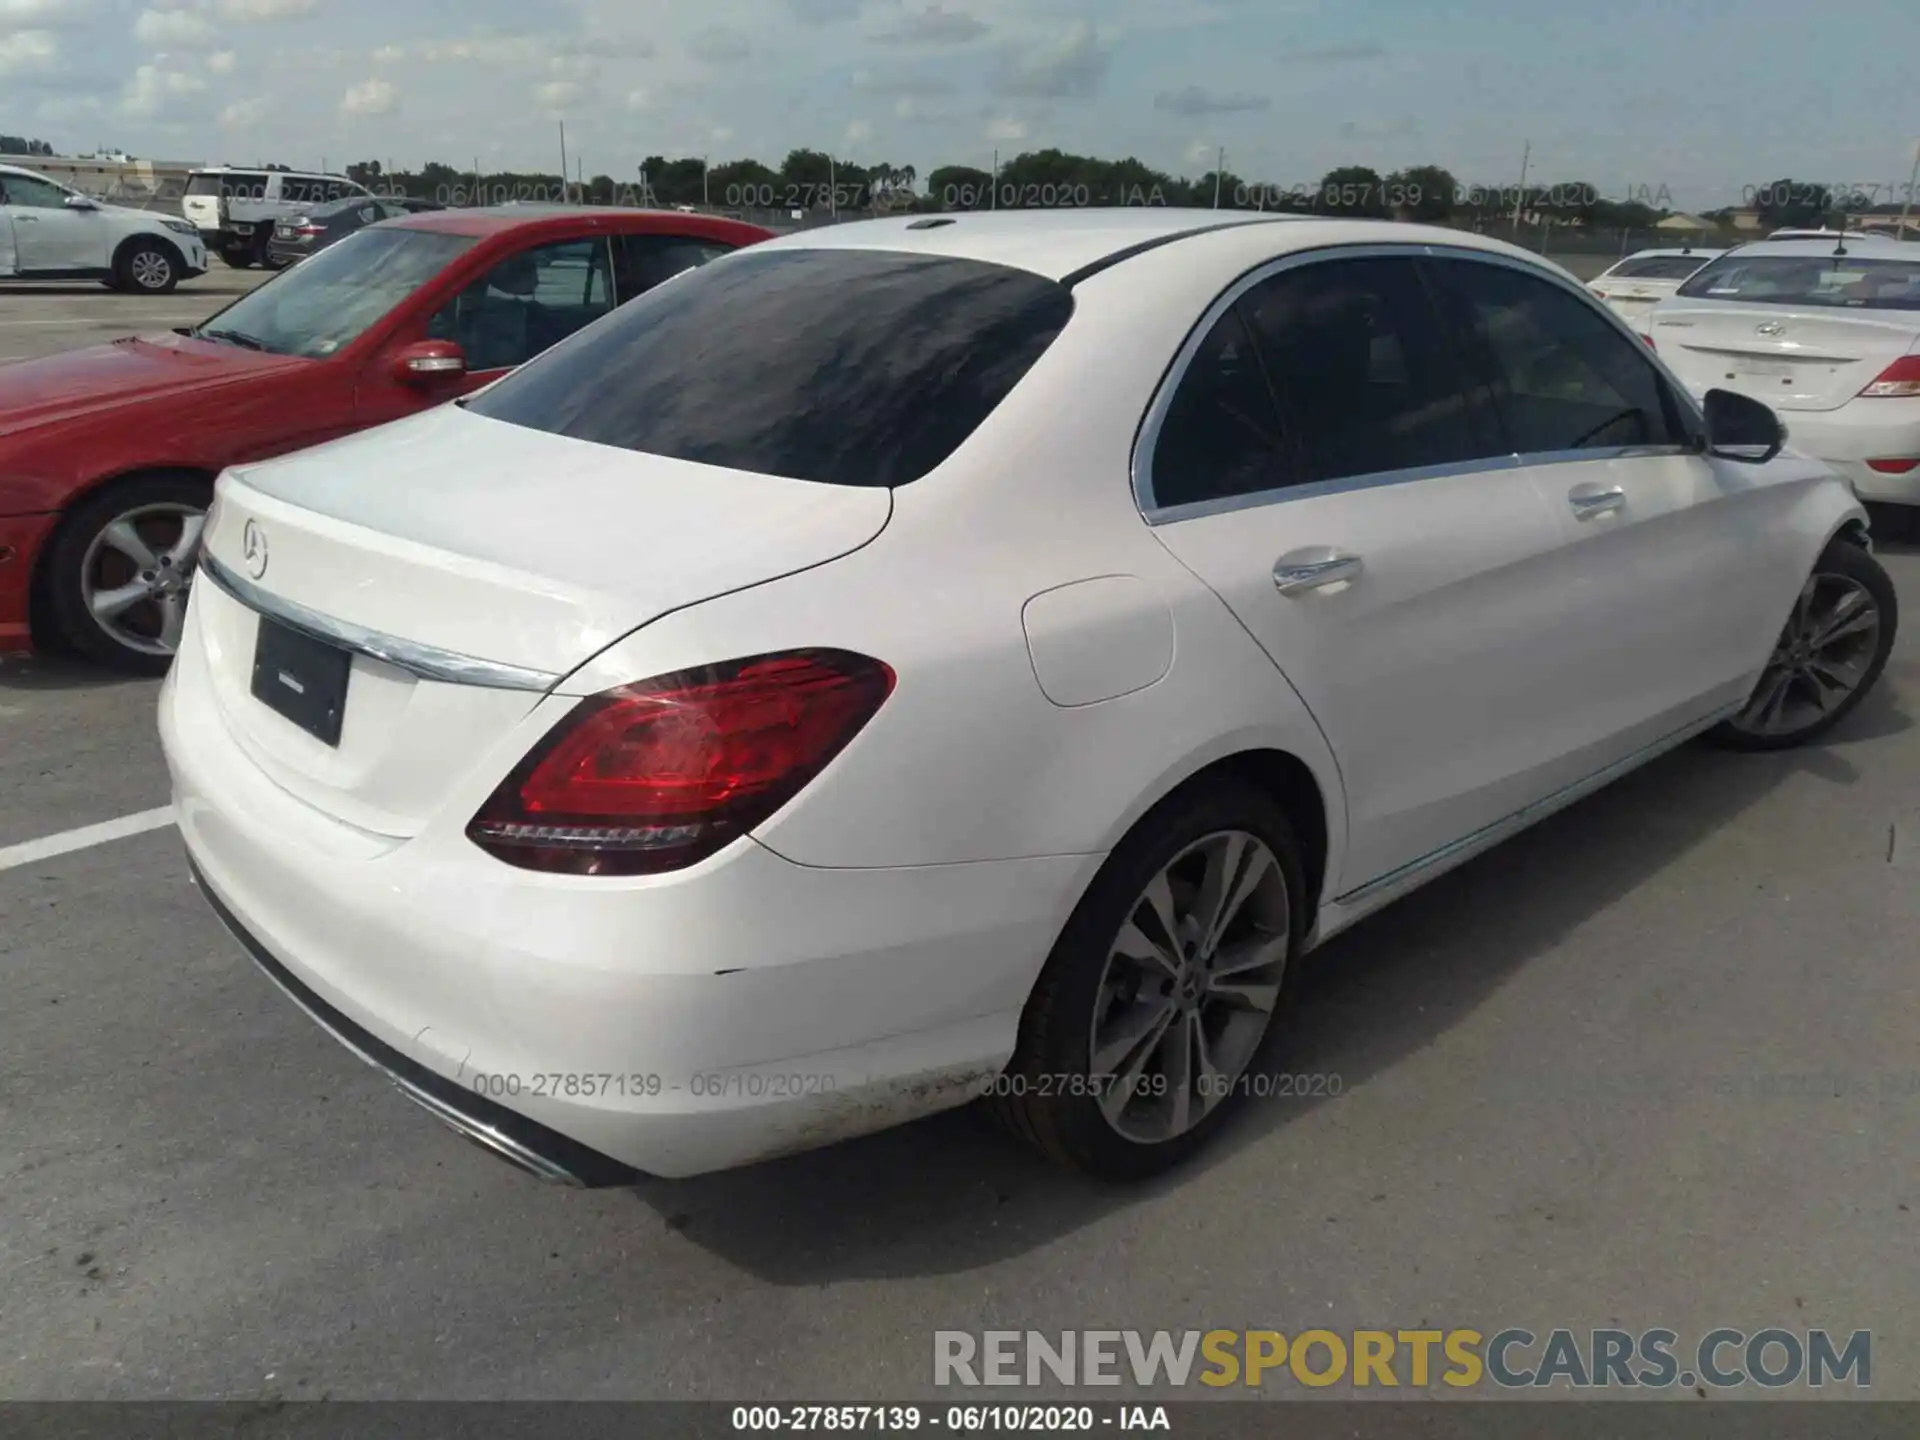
column 1685, row 103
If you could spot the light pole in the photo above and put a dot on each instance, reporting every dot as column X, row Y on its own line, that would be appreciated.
column 1521, row 199
column 1913, row 179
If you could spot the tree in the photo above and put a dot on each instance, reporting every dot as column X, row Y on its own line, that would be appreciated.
column 1352, row 191
column 1792, row 203
column 1423, row 192
column 960, row 187
column 21, row 145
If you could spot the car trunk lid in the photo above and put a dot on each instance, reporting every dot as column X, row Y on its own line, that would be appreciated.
column 465, row 565
column 1793, row 359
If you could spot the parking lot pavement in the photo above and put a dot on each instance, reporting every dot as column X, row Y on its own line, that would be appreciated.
column 42, row 318
column 1651, row 1065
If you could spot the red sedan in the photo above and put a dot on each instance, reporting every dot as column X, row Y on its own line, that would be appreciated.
column 108, row 454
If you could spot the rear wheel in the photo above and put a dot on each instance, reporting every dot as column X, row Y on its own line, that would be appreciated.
column 1162, row 990
column 147, row 267
column 240, row 257
column 121, row 567
column 1829, row 655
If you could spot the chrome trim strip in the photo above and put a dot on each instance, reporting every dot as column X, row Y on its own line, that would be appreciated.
column 1149, row 436
column 429, row 662
column 1509, row 826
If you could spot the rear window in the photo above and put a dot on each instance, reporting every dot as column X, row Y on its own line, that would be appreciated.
column 1839, row 281
column 1657, row 267
column 849, row 367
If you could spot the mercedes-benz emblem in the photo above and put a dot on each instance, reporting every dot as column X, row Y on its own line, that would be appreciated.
column 1770, row 327
column 253, row 549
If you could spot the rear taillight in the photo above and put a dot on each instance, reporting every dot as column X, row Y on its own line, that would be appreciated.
column 308, row 230
column 1649, row 340
column 1893, row 467
column 1902, row 378
column 658, row 775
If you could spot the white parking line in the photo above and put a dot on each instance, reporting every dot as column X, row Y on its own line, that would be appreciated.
column 86, row 837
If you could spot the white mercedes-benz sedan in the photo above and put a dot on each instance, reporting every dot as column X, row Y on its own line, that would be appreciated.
column 1826, row 331
column 928, row 659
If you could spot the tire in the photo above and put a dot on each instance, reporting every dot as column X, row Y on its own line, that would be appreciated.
column 265, row 252
column 1049, row 1095
column 1797, row 700
column 238, row 257
column 147, row 267
column 1894, row 522
column 84, row 566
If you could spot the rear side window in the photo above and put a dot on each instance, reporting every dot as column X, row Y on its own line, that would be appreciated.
column 1838, row 281
column 1361, row 365
column 229, row 185
column 1564, row 377
column 848, row 367
column 643, row 261
column 1656, row 267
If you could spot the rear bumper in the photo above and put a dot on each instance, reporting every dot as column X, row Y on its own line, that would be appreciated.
column 743, row 1009
column 1861, row 431
column 21, row 537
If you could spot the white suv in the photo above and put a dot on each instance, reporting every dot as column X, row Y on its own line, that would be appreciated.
column 236, row 210
column 49, row 232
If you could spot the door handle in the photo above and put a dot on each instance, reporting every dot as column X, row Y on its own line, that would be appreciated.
column 26, row 219
column 1301, row 570
column 1589, row 501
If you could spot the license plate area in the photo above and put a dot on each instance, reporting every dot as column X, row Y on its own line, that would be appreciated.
column 301, row 679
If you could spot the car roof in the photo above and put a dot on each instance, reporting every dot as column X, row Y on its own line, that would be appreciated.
column 267, row 170
column 1066, row 244
column 30, row 174
column 1681, row 254
column 1864, row 247
column 483, row 221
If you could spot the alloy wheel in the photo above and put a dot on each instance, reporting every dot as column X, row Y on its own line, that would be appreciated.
column 1189, row 987
column 151, row 270
column 138, row 572
column 1824, row 655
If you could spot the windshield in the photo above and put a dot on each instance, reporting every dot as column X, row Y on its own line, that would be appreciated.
column 1657, row 267
column 849, row 367
column 1833, row 281
column 326, row 303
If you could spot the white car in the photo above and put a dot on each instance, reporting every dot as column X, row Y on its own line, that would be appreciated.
column 1827, row 332
column 49, row 232
column 1634, row 286
column 930, row 658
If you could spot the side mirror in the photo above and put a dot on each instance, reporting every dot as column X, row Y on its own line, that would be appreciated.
column 428, row 361
column 1741, row 428
column 81, row 202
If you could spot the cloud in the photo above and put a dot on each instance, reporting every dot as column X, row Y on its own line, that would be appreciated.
column 824, row 12
column 389, row 55
column 935, row 25
column 482, row 50
column 1072, row 69
column 1376, row 129
column 18, row 15
column 859, row 132
column 371, row 97
column 900, row 82
column 245, row 114
column 1195, row 101
column 640, row 99
column 1336, row 54
column 222, row 62
column 26, row 50
column 170, row 29
column 154, row 89
column 1006, row 128
column 557, row 96
column 251, row 12
column 719, row 44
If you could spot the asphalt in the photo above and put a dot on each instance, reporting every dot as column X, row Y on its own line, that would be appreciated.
column 1653, row 1064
